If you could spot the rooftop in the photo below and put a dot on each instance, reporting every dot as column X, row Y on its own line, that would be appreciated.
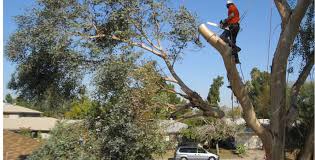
column 32, row 123
column 16, row 146
column 172, row 126
column 11, row 108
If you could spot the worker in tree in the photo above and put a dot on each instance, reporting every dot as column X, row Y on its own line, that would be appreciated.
column 231, row 27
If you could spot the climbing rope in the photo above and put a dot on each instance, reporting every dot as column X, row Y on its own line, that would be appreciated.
column 243, row 79
column 269, row 40
column 244, row 14
column 232, row 95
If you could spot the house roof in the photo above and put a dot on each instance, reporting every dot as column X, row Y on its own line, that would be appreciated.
column 10, row 108
column 16, row 146
column 33, row 123
column 172, row 126
column 241, row 121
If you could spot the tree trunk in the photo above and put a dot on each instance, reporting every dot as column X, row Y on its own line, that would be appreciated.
column 238, row 87
column 267, row 146
column 273, row 138
column 217, row 147
column 308, row 150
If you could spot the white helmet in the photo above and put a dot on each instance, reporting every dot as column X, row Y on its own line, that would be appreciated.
column 229, row 2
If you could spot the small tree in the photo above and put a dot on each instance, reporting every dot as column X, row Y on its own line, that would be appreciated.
column 214, row 91
column 79, row 144
column 8, row 98
column 259, row 92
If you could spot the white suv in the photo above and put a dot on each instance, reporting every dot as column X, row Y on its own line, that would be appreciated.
column 194, row 153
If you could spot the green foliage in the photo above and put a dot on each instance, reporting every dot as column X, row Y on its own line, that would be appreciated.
column 305, row 104
column 123, row 121
column 25, row 132
column 120, row 125
column 303, row 45
column 259, row 92
column 45, row 79
column 80, row 108
column 166, row 98
column 123, row 136
column 236, row 112
column 69, row 142
column 240, row 149
column 59, row 42
column 214, row 91
column 210, row 129
column 53, row 45
column 8, row 98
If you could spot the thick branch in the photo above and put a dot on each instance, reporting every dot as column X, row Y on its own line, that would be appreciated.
column 290, row 28
column 238, row 87
column 180, row 108
column 170, row 79
column 283, row 9
column 189, row 116
column 279, row 66
column 173, row 91
column 292, row 113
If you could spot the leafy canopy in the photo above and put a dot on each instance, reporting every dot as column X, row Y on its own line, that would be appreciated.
column 57, row 43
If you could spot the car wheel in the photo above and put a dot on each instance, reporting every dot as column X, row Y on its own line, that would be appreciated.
column 183, row 158
column 212, row 158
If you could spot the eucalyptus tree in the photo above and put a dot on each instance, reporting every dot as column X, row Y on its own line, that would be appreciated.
column 281, row 113
column 84, row 34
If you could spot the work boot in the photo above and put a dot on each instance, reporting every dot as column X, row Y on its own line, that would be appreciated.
column 238, row 49
column 235, row 54
column 237, row 61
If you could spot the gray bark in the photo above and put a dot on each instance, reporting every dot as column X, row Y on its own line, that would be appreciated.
column 290, row 27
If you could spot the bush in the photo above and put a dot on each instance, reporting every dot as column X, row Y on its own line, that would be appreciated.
column 123, row 137
column 68, row 142
column 240, row 149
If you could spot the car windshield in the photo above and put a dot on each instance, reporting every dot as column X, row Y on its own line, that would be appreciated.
column 188, row 150
column 200, row 150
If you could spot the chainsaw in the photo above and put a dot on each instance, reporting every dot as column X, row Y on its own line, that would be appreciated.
column 217, row 25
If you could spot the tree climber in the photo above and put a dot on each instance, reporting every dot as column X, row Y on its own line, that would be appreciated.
column 232, row 23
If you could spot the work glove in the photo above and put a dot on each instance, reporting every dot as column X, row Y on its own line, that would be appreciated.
column 223, row 23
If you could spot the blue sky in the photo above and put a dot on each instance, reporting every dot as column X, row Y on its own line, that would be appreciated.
column 197, row 68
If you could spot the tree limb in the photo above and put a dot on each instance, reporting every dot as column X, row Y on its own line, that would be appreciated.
column 292, row 113
column 194, row 98
column 238, row 87
column 180, row 108
column 279, row 63
column 173, row 91
column 170, row 79
column 181, row 118
column 283, row 9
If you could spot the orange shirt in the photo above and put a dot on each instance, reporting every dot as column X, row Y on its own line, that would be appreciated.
column 236, row 18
